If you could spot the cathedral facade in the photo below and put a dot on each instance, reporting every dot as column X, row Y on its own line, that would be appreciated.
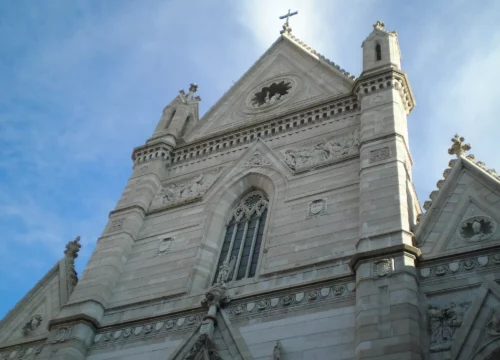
column 283, row 224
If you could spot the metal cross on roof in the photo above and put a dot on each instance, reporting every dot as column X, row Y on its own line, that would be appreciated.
column 286, row 28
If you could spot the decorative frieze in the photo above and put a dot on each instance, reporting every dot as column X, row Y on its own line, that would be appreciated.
column 460, row 266
column 443, row 323
column 322, row 153
column 20, row 352
column 304, row 298
column 185, row 191
column 323, row 113
column 144, row 331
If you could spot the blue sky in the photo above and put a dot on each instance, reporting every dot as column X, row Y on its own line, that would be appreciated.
column 85, row 81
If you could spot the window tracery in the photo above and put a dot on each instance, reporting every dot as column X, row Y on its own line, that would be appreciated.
column 243, row 235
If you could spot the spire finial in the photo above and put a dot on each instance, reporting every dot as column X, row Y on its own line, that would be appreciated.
column 72, row 248
column 458, row 148
column 286, row 28
column 379, row 25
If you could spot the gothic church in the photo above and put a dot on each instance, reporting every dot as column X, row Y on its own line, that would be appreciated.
column 283, row 224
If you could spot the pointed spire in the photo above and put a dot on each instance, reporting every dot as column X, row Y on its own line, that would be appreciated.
column 458, row 148
column 72, row 248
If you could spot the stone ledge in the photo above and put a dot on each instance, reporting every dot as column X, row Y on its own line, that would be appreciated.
column 383, row 252
column 75, row 319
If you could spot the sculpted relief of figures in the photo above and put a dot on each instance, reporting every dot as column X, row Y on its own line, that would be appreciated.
column 443, row 323
column 176, row 193
column 308, row 157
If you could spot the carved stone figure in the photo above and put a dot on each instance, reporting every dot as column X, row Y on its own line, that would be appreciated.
column 493, row 326
column 71, row 253
column 443, row 323
column 256, row 160
column 190, row 189
column 310, row 156
column 33, row 323
column 225, row 270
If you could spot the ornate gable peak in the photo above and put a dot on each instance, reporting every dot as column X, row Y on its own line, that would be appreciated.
column 317, row 55
column 459, row 149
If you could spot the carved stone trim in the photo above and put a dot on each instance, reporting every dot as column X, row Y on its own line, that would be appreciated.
column 322, row 153
column 268, row 128
column 306, row 297
column 459, row 266
column 22, row 351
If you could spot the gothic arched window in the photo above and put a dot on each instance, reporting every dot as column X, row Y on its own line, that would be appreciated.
column 243, row 236
column 378, row 52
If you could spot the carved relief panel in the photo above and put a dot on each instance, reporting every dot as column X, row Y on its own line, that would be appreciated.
column 322, row 153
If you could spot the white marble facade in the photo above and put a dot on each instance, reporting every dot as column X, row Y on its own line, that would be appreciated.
column 283, row 224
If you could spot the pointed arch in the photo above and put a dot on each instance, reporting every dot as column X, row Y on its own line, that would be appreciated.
column 220, row 202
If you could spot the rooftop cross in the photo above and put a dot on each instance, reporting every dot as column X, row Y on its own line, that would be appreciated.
column 459, row 147
column 286, row 28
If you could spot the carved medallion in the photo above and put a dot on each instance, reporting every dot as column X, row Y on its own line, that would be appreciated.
column 316, row 207
column 383, row 267
column 164, row 246
column 62, row 334
column 379, row 154
column 493, row 326
column 477, row 228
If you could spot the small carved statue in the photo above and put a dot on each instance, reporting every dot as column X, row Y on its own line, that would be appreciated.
column 225, row 271
column 72, row 248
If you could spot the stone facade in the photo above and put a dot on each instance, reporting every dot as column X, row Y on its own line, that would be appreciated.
column 282, row 225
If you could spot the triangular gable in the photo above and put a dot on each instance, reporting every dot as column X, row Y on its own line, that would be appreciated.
column 258, row 155
column 226, row 343
column 310, row 76
column 478, row 335
column 464, row 214
column 28, row 320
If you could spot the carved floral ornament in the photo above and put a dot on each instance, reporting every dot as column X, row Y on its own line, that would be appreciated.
column 254, row 202
column 271, row 92
column 308, row 157
column 164, row 246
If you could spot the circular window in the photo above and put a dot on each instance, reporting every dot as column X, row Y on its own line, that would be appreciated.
column 271, row 93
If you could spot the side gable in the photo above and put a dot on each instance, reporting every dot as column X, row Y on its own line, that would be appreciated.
column 463, row 215
column 311, row 78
